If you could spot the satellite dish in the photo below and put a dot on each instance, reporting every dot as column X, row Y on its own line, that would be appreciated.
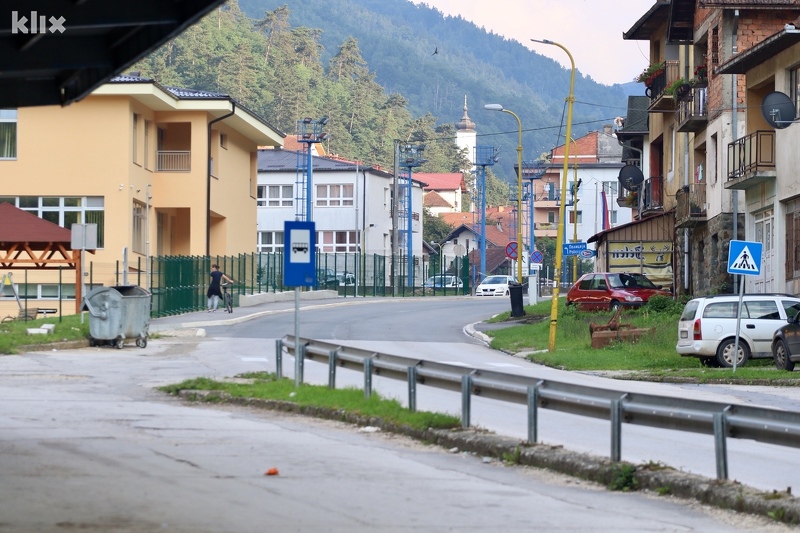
column 630, row 176
column 778, row 110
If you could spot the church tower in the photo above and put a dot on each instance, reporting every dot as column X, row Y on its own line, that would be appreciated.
column 466, row 136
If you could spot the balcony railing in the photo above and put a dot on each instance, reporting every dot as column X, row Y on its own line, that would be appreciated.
column 660, row 102
column 652, row 193
column 750, row 157
column 690, row 205
column 693, row 110
column 174, row 161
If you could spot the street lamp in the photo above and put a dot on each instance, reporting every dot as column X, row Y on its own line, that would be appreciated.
column 498, row 107
column 308, row 132
column 562, row 210
column 440, row 245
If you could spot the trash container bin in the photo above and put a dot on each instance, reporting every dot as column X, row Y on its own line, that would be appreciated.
column 117, row 314
column 515, row 292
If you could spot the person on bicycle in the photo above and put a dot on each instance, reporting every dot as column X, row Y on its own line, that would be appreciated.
column 214, row 292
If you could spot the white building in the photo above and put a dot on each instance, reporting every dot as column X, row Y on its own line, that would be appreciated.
column 351, row 204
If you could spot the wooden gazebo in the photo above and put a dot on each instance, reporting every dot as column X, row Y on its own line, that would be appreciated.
column 28, row 242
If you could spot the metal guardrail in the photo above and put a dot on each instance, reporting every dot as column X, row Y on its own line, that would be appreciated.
column 721, row 420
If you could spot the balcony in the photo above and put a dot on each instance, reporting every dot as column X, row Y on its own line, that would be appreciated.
column 628, row 198
column 751, row 160
column 546, row 229
column 652, row 193
column 660, row 101
column 690, row 209
column 174, row 161
column 551, row 198
column 692, row 114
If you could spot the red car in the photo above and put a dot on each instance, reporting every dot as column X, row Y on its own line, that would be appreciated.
column 601, row 291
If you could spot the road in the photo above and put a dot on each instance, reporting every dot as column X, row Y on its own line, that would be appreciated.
column 87, row 444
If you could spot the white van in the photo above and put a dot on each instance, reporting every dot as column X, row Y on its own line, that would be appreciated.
column 707, row 327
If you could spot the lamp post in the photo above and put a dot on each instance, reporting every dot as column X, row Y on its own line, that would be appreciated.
column 520, row 251
column 484, row 156
column 410, row 157
column 440, row 245
column 560, row 233
column 309, row 131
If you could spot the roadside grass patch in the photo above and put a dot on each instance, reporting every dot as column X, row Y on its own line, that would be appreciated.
column 14, row 334
column 651, row 357
column 351, row 400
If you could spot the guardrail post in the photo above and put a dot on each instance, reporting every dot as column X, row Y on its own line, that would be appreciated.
column 533, row 411
column 368, row 377
column 279, row 358
column 332, row 368
column 412, row 389
column 299, row 359
column 466, row 388
column 720, row 444
column 616, row 429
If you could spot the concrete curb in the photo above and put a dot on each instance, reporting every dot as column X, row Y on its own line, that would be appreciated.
column 779, row 506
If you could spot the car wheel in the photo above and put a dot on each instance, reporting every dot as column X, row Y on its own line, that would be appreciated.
column 613, row 305
column 725, row 353
column 781, row 356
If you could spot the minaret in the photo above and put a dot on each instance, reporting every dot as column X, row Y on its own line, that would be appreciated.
column 466, row 136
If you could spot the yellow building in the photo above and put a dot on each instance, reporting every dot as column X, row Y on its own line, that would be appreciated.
column 161, row 171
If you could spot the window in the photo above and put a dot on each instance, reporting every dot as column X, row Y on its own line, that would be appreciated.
column 270, row 241
column 551, row 217
column 794, row 77
column 765, row 310
column 135, row 138
column 139, row 229
column 275, row 196
column 337, row 241
column 65, row 210
column 223, row 140
column 147, row 126
column 335, row 195
column 8, row 133
column 572, row 217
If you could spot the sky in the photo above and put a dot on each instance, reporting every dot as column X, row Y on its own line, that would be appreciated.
column 590, row 29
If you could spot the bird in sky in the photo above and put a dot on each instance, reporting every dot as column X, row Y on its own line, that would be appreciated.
column 435, row 51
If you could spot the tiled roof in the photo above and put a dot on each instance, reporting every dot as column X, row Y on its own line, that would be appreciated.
column 18, row 226
column 434, row 199
column 450, row 181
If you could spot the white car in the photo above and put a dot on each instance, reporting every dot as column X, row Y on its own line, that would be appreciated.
column 707, row 327
column 495, row 286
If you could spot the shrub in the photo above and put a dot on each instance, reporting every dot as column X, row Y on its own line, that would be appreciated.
column 664, row 304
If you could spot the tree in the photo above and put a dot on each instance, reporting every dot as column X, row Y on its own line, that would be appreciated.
column 434, row 229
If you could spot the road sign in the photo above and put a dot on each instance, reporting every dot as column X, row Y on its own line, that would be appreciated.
column 587, row 253
column 573, row 248
column 536, row 257
column 744, row 257
column 299, row 253
column 511, row 250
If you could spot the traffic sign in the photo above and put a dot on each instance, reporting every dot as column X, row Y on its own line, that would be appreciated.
column 536, row 257
column 511, row 250
column 744, row 257
column 587, row 253
column 573, row 248
column 299, row 253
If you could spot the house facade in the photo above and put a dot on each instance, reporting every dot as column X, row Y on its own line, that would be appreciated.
column 159, row 170
column 351, row 205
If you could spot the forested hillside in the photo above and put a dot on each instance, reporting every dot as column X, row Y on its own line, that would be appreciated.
column 369, row 66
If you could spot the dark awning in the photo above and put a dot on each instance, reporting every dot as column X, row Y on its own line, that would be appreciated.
column 54, row 52
column 758, row 54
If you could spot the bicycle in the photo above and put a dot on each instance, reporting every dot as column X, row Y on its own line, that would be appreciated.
column 227, row 298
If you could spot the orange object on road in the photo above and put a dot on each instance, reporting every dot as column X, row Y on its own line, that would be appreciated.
column 271, row 472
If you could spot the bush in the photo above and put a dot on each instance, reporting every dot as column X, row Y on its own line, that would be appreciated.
column 664, row 304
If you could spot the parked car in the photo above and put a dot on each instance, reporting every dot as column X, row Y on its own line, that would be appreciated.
column 495, row 286
column 326, row 278
column 707, row 326
column 441, row 281
column 786, row 344
column 600, row 291
column 346, row 279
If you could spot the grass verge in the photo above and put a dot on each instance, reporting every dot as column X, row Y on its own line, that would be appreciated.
column 652, row 357
column 265, row 386
column 14, row 334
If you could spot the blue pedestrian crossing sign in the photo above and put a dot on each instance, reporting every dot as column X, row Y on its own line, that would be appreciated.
column 744, row 257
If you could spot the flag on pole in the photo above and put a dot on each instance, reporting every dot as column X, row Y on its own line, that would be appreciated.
column 606, row 223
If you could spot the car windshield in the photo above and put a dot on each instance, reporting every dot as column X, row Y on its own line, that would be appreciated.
column 495, row 280
column 630, row 281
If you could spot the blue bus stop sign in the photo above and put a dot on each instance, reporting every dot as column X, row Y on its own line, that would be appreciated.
column 299, row 254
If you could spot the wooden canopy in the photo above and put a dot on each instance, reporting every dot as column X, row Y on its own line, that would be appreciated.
column 28, row 242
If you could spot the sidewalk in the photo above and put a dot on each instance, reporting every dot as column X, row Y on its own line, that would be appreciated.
column 203, row 319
